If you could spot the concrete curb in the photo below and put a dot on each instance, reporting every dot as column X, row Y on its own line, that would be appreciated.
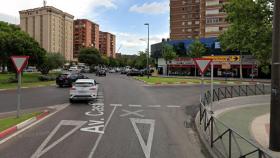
column 22, row 125
column 39, row 86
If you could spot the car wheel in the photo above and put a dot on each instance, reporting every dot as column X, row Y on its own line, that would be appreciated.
column 71, row 100
column 60, row 86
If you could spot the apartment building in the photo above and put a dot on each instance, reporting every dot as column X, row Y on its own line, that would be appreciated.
column 86, row 34
column 51, row 28
column 107, row 44
column 184, row 19
column 212, row 21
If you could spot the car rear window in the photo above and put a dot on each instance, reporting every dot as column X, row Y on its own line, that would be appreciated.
column 84, row 84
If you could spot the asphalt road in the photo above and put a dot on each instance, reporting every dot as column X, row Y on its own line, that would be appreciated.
column 129, row 120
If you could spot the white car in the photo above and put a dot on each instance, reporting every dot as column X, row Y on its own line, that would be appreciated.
column 84, row 89
column 74, row 68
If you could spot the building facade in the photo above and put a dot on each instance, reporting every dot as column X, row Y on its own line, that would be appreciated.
column 107, row 44
column 212, row 21
column 86, row 34
column 51, row 28
column 184, row 19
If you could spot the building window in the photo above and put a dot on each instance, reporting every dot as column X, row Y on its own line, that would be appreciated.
column 212, row 20
column 215, row 11
column 189, row 23
column 196, row 22
column 183, row 16
column 212, row 29
column 183, row 23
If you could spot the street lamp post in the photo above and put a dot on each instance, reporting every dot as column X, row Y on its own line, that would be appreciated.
column 274, row 139
column 148, row 50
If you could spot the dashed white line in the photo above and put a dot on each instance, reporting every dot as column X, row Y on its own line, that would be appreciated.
column 173, row 106
column 115, row 104
column 131, row 105
column 154, row 106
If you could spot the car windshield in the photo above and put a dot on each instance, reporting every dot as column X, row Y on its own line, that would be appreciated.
column 139, row 78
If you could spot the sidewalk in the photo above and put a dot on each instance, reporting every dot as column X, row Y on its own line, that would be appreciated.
column 248, row 116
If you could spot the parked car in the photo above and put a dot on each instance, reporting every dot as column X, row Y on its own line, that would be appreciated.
column 74, row 68
column 85, row 69
column 112, row 71
column 83, row 89
column 66, row 79
column 135, row 72
column 101, row 72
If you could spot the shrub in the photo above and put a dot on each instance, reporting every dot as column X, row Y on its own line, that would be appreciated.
column 46, row 78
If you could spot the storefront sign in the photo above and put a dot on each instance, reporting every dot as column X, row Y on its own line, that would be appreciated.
column 224, row 58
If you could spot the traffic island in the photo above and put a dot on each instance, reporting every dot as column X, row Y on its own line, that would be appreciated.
column 10, row 125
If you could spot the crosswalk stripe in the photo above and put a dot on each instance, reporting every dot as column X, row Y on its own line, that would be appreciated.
column 173, row 106
column 154, row 106
column 131, row 105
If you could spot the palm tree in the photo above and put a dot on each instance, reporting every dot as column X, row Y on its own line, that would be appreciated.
column 196, row 50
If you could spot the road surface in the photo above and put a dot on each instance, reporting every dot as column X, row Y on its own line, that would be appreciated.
column 129, row 120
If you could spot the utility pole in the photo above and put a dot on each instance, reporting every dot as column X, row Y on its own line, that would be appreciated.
column 274, row 139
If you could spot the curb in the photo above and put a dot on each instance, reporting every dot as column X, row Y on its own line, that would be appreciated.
column 22, row 125
column 39, row 86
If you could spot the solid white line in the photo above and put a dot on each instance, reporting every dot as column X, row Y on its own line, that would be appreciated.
column 154, row 106
column 173, row 106
column 100, row 135
column 131, row 105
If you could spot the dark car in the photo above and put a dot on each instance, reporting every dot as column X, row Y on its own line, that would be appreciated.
column 134, row 72
column 66, row 79
column 101, row 72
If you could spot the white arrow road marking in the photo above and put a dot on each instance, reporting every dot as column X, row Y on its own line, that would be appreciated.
column 40, row 151
column 145, row 147
column 100, row 135
column 132, row 113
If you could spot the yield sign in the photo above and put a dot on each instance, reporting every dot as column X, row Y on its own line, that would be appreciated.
column 202, row 63
column 19, row 62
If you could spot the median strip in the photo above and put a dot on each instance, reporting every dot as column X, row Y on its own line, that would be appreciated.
column 10, row 125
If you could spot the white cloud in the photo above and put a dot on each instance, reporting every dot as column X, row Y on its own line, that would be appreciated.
column 78, row 8
column 151, row 8
column 132, row 43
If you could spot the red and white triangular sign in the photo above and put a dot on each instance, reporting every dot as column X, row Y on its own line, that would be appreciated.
column 202, row 63
column 20, row 62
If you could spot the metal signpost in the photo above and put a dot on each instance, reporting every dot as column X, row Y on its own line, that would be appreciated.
column 20, row 63
column 202, row 64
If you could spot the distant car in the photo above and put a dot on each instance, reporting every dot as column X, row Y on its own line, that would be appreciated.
column 85, row 69
column 30, row 69
column 84, row 89
column 74, row 68
column 135, row 72
column 112, row 71
column 66, row 79
column 101, row 72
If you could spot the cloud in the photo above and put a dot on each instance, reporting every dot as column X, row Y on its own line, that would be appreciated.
column 78, row 8
column 132, row 43
column 151, row 8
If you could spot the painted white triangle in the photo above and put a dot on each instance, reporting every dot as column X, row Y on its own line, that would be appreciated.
column 146, row 147
column 19, row 62
column 43, row 149
column 202, row 64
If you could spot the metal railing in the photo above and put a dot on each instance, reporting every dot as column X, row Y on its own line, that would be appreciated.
column 224, row 140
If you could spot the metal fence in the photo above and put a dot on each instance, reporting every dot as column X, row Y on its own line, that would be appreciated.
column 224, row 140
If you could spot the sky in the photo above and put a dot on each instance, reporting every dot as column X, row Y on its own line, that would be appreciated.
column 124, row 18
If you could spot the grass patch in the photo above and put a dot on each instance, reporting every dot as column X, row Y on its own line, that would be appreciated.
column 28, row 80
column 11, row 121
column 170, row 80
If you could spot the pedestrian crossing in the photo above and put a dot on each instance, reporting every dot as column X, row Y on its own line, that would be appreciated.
column 147, row 106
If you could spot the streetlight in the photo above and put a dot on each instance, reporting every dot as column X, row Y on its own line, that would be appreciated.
column 148, row 49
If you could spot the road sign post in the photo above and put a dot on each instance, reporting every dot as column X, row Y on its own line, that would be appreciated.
column 212, row 86
column 19, row 62
column 202, row 64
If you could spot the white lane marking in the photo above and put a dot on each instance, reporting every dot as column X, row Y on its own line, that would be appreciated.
column 145, row 147
column 127, row 112
column 40, row 151
column 173, row 106
column 100, row 135
column 131, row 105
column 115, row 104
column 154, row 106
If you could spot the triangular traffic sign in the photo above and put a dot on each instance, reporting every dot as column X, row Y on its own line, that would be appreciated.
column 202, row 63
column 20, row 62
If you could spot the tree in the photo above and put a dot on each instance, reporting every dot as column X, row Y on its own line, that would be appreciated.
column 180, row 49
column 196, row 49
column 13, row 41
column 90, row 56
column 105, row 60
column 168, row 54
column 51, row 61
column 250, row 29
